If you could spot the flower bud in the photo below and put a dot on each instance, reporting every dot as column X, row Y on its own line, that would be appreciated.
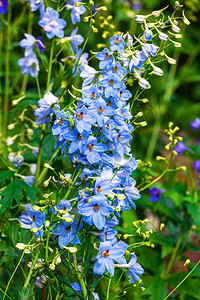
column 22, row 246
column 46, row 182
column 162, row 225
column 140, row 18
column 36, row 207
column 185, row 20
column 48, row 166
column 187, row 262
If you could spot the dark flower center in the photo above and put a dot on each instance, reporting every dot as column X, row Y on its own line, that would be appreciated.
column 91, row 146
column 111, row 81
column 115, row 69
column 93, row 95
column 79, row 137
column 120, row 94
column 96, row 207
column 119, row 137
column 61, row 122
column 117, row 41
column 109, row 103
column 80, row 115
column 100, row 110
column 105, row 253
column 68, row 228
column 107, row 55
column 107, row 126
column 99, row 189
column 34, row 218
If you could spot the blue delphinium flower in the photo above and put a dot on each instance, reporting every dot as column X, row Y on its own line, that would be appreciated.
column 135, row 269
column 66, row 233
column 95, row 210
column 28, row 43
column 76, row 40
column 51, row 23
column 106, row 59
column 180, row 148
column 196, row 166
column 92, row 150
column 18, row 160
column 30, row 180
column 148, row 34
column 33, row 219
column 29, row 65
column 76, row 286
column 63, row 205
column 78, row 140
column 3, row 6
column 47, row 107
column 37, row 4
column 195, row 124
column 109, row 253
column 76, row 12
column 117, row 44
column 88, row 74
column 155, row 193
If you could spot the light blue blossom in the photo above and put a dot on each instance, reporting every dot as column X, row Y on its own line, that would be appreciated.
column 51, row 23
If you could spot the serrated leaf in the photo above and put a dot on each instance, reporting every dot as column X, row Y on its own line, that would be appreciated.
column 6, row 174
column 13, row 193
column 9, row 254
column 27, row 295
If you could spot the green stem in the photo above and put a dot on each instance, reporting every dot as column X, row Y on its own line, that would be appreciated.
column 50, row 64
column 15, row 270
column 80, row 277
column 108, row 289
column 174, row 254
column 7, row 71
column 183, row 280
column 71, row 186
column 45, row 170
column 39, row 158
column 31, row 271
column 159, row 177
column 38, row 86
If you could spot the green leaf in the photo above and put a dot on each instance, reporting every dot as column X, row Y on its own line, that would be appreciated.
column 13, row 193
column 58, row 79
column 20, row 107
column 9, row 254
column 6, row 174
column 27, row 295
column 156, row 289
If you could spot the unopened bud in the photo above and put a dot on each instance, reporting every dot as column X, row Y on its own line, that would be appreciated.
column 162, row 225
column 187, row 262
column 47, row 224
column 104, row 8
column 183, row 168
column 139, row 115
column 86, row 19
column 22, row 246
column 91, row 2
column 185, row 20
column 142, row 288
column 94, row 29
column 174, row 152
column 46, row 182
column 48, row 166
column 36, row 207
